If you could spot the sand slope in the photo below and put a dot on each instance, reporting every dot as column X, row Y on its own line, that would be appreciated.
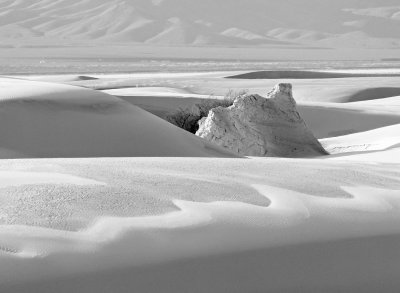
column 277, row 231
column 50, row 120
column 373, row 140
column 331, row 119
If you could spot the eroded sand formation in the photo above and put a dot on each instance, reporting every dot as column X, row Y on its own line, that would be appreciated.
column 258, row 126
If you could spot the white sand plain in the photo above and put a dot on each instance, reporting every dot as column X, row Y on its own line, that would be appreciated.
column 186, row 218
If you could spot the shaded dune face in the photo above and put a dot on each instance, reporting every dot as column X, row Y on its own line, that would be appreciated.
column 43, row 120
column 258, row 126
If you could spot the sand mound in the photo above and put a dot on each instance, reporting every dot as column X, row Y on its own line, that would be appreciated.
column 64, row 78
column 374, row 94
column 391, row 103
column 258, row 126
column 373, row 140
column 84, row 77
column 152, row 91
column 300, row 74
column 334, row 119
column 52, row 120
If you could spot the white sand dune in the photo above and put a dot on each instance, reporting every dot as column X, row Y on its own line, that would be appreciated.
column 299, row 74
column 160, row 101
column 375, row 107
column 65, row 78
column 373, row 140
column 371, row 93
column 153, row 91
column 388, row 105
column 388, row 156
column 338, row 86
column 325, row 104
column 344, row 85
column 334, row 119
column 379, row 84
column 324, row 119
column 15, row 178
column 174, row 222
column 53, row 120
column 312, row 236
column 372, row 110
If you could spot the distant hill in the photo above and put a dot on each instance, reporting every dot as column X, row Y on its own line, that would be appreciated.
column 316, row 23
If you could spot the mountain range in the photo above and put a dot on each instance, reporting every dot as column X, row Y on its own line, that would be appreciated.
column 305, row 23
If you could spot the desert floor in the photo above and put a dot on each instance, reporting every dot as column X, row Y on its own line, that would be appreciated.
column 99, row 194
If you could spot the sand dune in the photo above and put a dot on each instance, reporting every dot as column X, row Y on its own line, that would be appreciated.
column 65, row 78
column 348, row 90
column 329, row 120
column 334, row 115
column 373, row 140
column 153, row 91
column 99, row 195
column 388, row 105
column 389, row 156
column 160, row 101
column 161, row 219
column 324, row 119
column 374, row 93
column 298, row 219
column 377, row 106
column 52, row 120
column 379, row 84
column 298, row 74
